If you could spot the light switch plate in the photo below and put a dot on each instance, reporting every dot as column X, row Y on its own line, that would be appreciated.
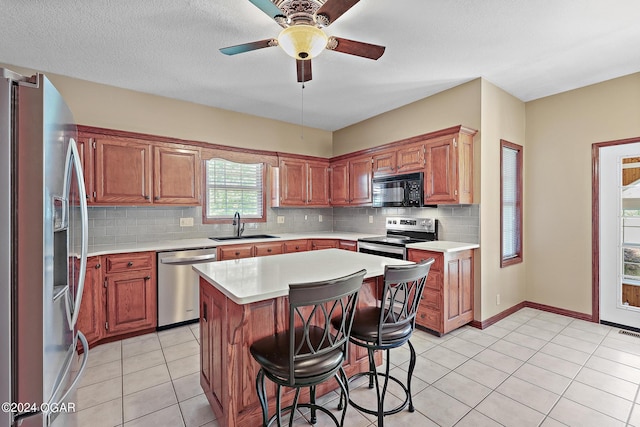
column 319, row 218
column 280, row 219
column 186, row 222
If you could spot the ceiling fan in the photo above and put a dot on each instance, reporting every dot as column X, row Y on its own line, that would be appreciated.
column 302, row 36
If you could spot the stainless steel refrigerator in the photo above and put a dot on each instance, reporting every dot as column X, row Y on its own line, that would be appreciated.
column 43, row 238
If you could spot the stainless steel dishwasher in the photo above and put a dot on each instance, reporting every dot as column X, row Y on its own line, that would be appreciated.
column 178, row 289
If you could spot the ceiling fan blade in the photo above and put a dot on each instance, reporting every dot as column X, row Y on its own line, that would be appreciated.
column 352, row 47
column 246, row 47
column 267, row 7
column 303, row 68
column 333, row 9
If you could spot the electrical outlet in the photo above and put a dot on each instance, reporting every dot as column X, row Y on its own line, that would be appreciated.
column 370, row 219
column 319, row 218
column 306, row 217
column 498, row 299
column 186, row 222
column 280, row 219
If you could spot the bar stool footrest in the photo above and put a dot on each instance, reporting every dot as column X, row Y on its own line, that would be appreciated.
column 395, row 410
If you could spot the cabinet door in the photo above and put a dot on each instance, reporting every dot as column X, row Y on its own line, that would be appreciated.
column 458, row 290
column 205, row 339
column 318, row 244
column 131, row 302
column 86, row 159
column 339, row 183
column 293, row 182
column 384, row 163
column 411, row 158
column 265, row 249
column 176, row 176
column 317, row 184
column 122, row 172
column 360, row 181
column 90, row 319
column 441, row 172
column 295, row 246
column 234, row 252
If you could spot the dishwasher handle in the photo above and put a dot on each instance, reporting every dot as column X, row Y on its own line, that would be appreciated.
column 190, row 260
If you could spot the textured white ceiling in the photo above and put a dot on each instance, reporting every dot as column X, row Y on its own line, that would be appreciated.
column 531, row 49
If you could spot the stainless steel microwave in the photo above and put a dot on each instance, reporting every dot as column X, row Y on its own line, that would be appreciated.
column 398, row 190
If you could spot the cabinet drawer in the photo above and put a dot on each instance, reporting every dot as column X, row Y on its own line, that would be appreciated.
column 431, row 298
column 434, row 281
column 429, row 318
column 129, row 262
column 295, row 246
column 235, row 252
column 264, row 249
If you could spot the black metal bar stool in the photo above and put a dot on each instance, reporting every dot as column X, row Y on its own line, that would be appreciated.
column 310, row 351
column 389, row 326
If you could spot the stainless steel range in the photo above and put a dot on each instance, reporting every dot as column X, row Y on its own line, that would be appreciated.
column 401, row 231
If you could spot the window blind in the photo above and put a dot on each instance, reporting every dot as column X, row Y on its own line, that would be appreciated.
column 511, row 222
column 234, row 187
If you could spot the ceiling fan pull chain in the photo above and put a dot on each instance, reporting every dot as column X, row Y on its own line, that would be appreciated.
column 302, row 105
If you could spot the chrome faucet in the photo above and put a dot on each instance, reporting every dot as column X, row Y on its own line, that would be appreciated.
column 237, row 228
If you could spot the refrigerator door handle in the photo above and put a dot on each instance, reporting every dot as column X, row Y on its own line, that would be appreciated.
column 74, row 155
column 51, row 416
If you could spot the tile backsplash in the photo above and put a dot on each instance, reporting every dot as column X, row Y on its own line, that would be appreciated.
column 118, row 225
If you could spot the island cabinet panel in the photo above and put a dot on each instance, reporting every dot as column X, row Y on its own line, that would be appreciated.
column 176, row 175
column 447, row 300
column 318, row 244
column 122, row 172
column 228, row 371
column 90, row 318
column 130, row 293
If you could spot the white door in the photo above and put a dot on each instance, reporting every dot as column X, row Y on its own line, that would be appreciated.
column 619, row 171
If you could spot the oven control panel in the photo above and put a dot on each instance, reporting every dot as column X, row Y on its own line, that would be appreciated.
column 411, row 224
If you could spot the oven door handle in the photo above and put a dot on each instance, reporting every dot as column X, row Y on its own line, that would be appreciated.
column 381, row 248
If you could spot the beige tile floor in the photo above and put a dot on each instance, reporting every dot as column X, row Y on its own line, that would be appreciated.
column 530, row 369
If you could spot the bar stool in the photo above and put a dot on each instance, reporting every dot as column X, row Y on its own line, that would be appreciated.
column 310, row 351
column 389, row 326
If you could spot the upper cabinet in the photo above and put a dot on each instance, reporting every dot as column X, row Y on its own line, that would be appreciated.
column 130, row 171
column 351, row 181
column 301, row 182
column 449, row 169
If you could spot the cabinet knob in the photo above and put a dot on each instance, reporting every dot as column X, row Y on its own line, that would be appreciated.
column 237, row 253
column 98, row 266
column 156, row 198
column 146, row 197
column 269, row 250
column 297, row 247
column 130, row 264
column 147, row 277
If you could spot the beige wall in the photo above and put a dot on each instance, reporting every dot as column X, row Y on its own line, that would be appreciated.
column 560, row 131
column 104, row 106
column 457, row 106
column 503, row 117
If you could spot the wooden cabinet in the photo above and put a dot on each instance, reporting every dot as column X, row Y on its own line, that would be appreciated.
column 384, row 162
column 268, row 248
column 130, row 296
column 234, row 252
column 90, row 319
column 318, row 244
column 122, row 172
column 449, row 169
column 303, row 182
column 176, row 175
column 411, row 158
column 351, row 181
column 295, row 246
column 447, row 300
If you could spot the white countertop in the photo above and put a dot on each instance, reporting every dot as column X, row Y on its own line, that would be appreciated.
column 443, row 246
column 170, row 245
column 256, row 279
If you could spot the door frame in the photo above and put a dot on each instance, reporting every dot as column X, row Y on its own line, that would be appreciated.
column 595, row 216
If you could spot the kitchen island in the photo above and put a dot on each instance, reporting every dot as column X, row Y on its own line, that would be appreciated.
column 244, row 300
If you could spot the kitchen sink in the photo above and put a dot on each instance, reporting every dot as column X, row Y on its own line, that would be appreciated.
column 254, row 236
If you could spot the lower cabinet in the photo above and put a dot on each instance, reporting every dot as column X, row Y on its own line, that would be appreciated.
column 447, row 300
column 317, row 244
column 119, row 297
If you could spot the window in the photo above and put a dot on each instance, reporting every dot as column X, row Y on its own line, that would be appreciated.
column 510, row 203
column 234, row 187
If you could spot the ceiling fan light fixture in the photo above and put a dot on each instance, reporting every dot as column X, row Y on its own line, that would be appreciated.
column 302, row 41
